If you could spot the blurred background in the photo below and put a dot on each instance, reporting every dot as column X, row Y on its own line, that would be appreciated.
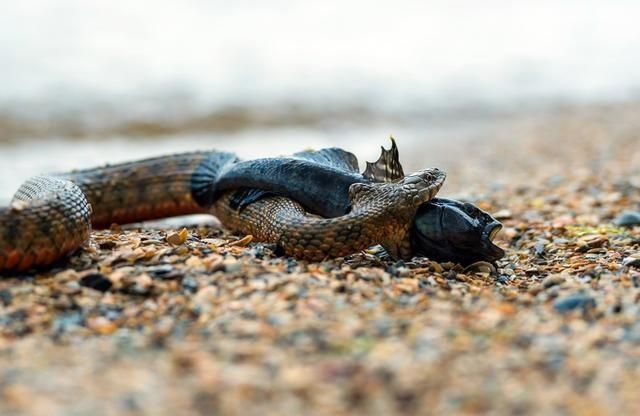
column 87, row 82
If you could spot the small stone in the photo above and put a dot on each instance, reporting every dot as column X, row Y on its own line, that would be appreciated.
column 194, row 262
column 628, row 219
column 107, row 245
column 182, row 250
column 632, row 261
column 591, row 241
column 243, row 242
column 482, row 267
column 215, row 242
column 164, row 271
column 96, row 281
column 407, row 285
column 562, row 221
column 231, row 265
column 535, row 289
column 203, row 300
column 164, row 327
column 258, row 285
column 503, row 214
column 573, row 302
column 403, row 272
column 437, row 268
column 290, row 292
column 6, row 297
column 552, row 280
column 101, row 325
column 190, row 284
column 178, row 238
column 510, row 233
column 67, row 321
column 539, row 249
column 141, row 284
column 509, row 272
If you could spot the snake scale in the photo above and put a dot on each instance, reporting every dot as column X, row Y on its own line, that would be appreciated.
column 51, row 216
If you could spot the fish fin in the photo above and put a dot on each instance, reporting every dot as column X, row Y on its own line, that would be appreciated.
column 205, row 177
column 387, row 168
column 333, row 157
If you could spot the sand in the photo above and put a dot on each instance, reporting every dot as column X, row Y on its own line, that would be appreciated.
column 202, row 322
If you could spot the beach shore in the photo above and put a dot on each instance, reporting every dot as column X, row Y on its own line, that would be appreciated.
column 216, row 323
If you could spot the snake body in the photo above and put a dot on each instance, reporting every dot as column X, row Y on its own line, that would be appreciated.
column 52, row 216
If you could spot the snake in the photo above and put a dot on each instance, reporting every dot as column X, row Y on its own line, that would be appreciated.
column 313, row 205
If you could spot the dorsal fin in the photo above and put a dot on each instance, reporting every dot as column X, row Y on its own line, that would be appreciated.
column 333, row 156
column 387, row 168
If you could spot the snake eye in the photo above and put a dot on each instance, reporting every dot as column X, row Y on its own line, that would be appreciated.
column 469, row 208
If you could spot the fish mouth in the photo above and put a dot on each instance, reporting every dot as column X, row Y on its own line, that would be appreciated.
column 493, row 252
column 493, row 229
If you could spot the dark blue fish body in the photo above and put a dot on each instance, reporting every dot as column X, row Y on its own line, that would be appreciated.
column 449, row 230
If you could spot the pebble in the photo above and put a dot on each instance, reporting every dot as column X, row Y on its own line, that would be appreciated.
column 555, row 330
column 503, row 214
column 96, row 281
column 139, row 285
column 190, row 284
column 231, row 265
column 243, row 242
column 6, row 297
column 164, row 271
column 101, row 325
column 67, row 321
column 575, row 301
column 481, row 267
column 553, row 280
column 539, row 249
column 632, row 261
column 628, row 219
column 204, row 298
column 589, row 242
column 178, row 238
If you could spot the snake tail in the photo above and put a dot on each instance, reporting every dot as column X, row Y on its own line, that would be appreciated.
column 51, row 216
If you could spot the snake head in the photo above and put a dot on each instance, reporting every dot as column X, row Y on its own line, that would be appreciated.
column 423, row 185
column 448, row 230
column 412, row 190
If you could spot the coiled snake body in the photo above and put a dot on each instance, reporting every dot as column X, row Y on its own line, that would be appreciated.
column 51, row 216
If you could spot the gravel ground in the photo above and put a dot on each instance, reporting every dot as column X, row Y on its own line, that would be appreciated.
column 197, row 321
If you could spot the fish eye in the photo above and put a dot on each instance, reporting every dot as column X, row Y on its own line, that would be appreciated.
column 469, row 208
